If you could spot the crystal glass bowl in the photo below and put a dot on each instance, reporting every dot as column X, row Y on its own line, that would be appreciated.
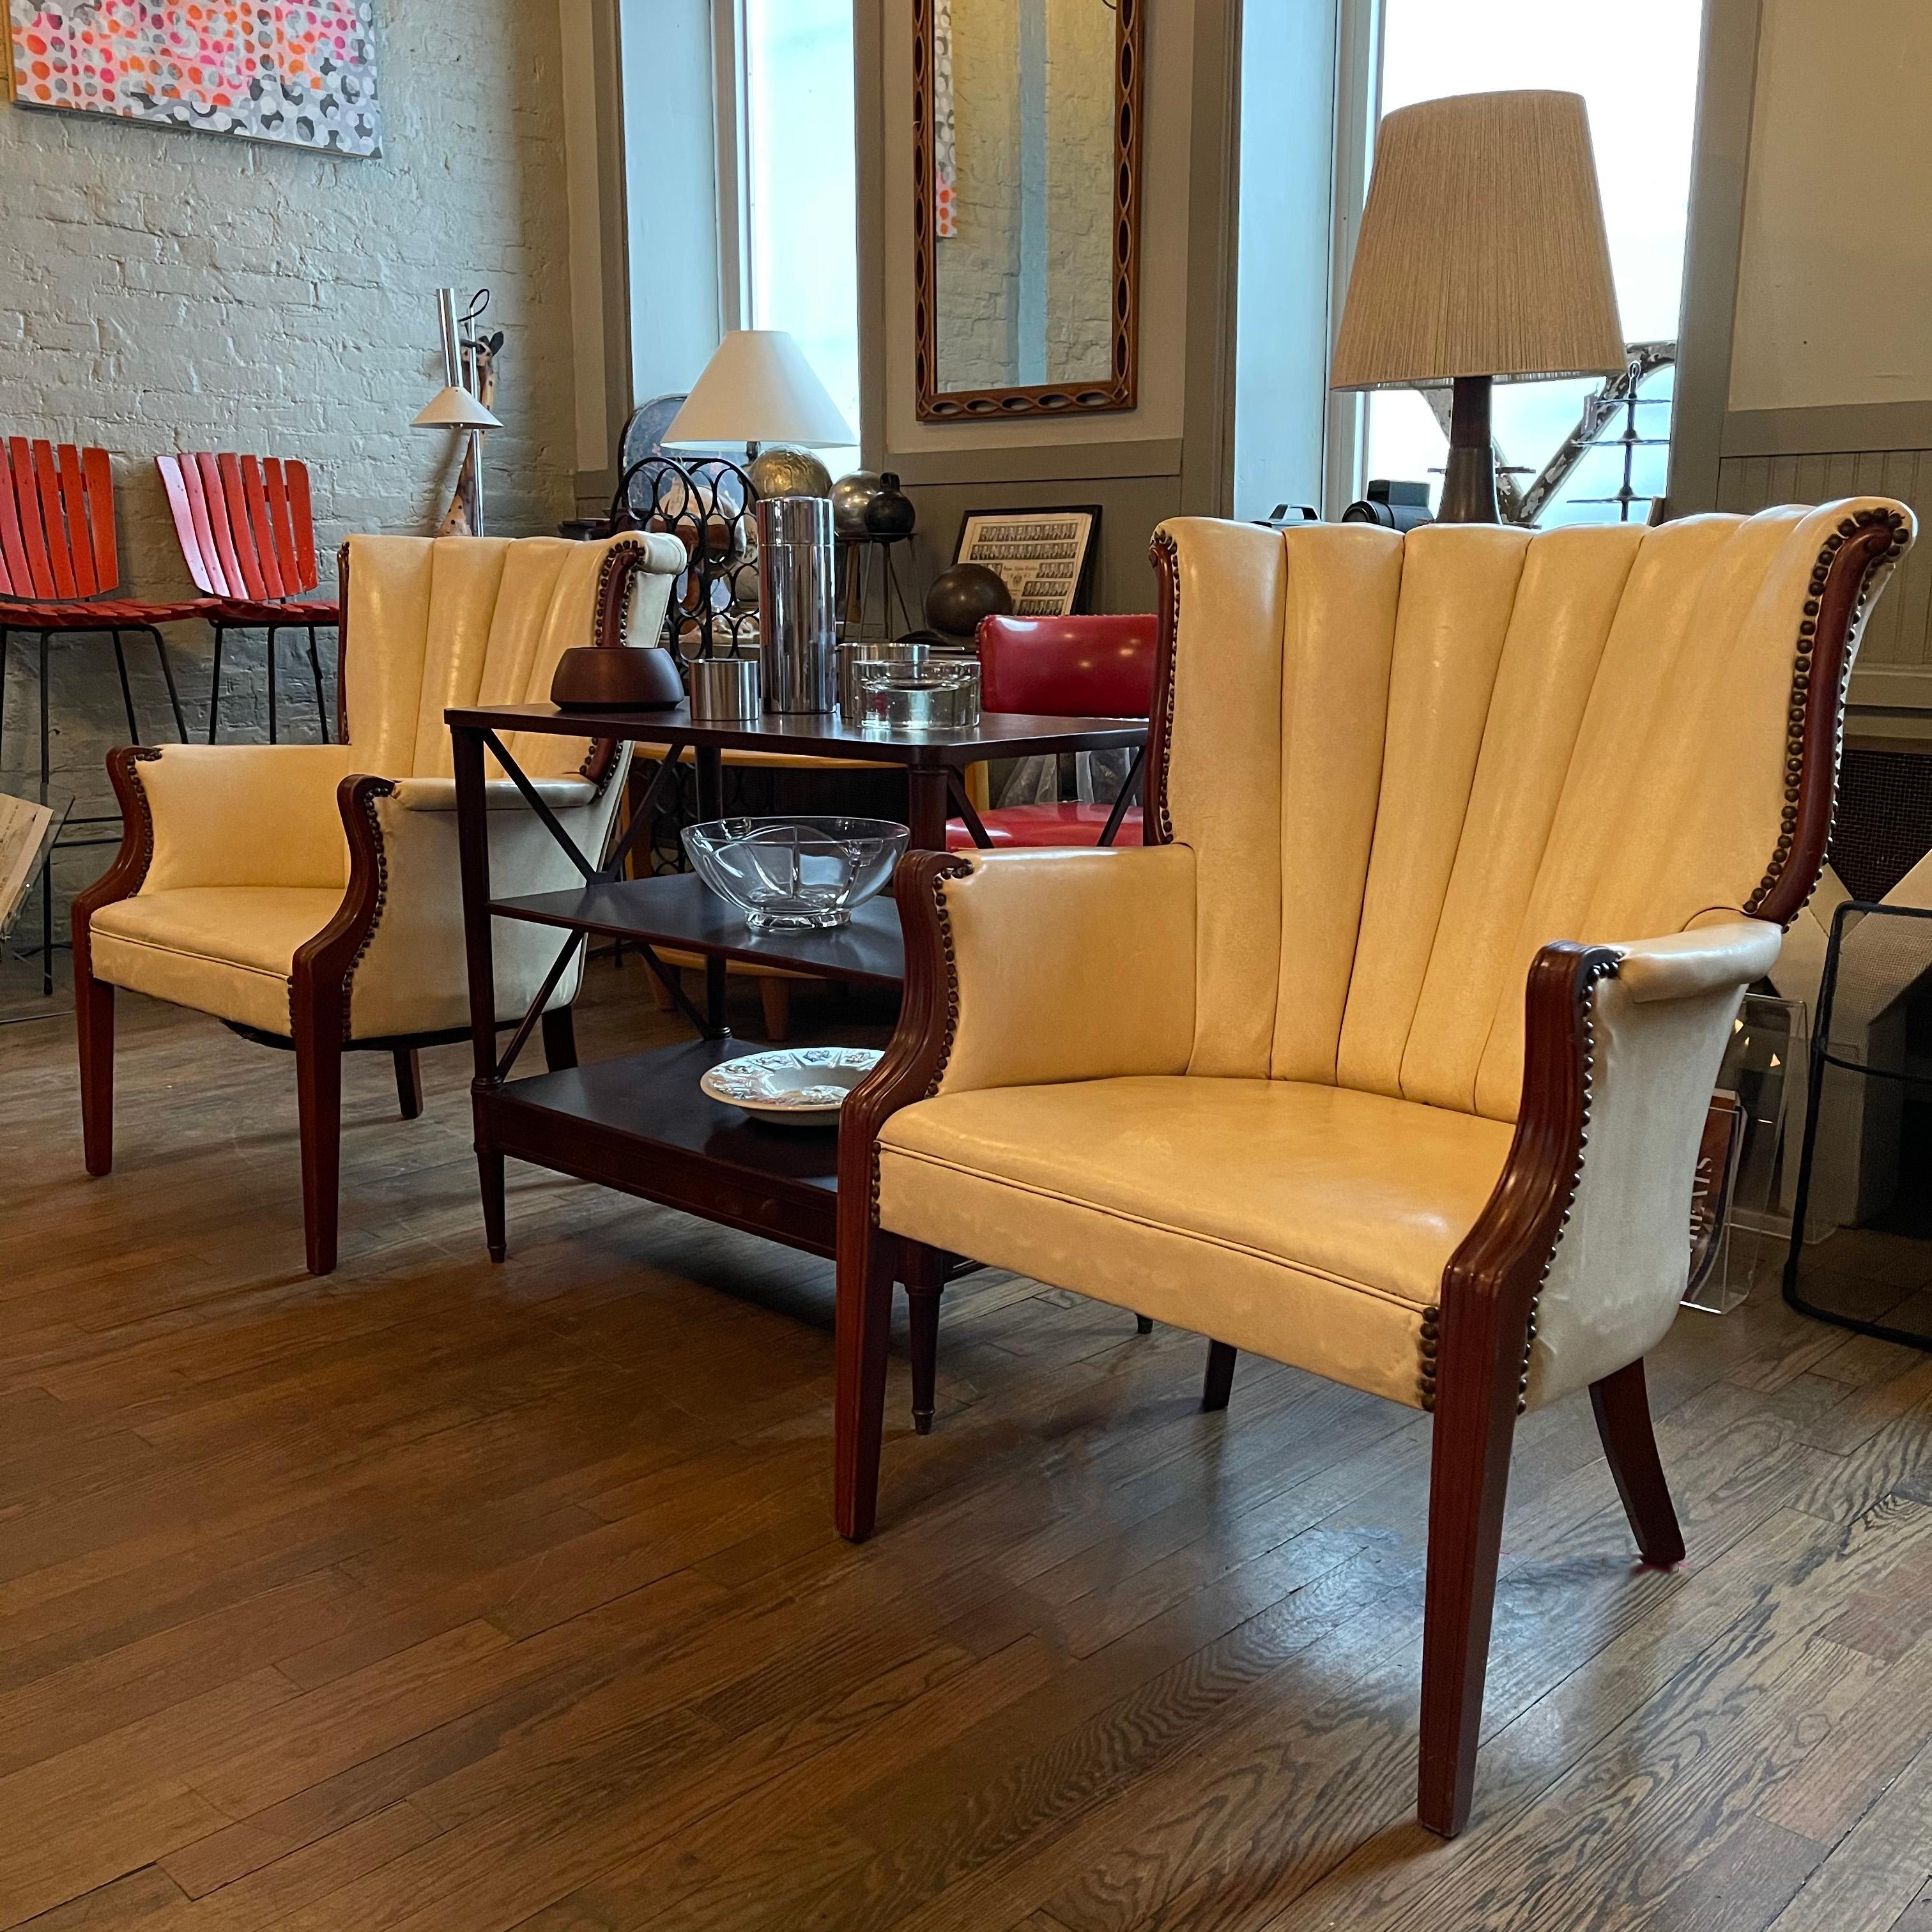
column 795, row 875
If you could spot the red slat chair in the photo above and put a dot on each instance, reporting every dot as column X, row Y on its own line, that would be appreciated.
column 248, row 536
column 59, row 571
column 1069, row 667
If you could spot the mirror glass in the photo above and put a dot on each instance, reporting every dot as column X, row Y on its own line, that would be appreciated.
column 1023, row 124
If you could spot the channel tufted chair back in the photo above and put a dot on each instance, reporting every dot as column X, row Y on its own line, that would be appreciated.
column 1405, row 763
column 466, row 621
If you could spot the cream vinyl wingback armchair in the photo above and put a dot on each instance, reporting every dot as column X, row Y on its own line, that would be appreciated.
column 1389, row 1056
column 307, row 895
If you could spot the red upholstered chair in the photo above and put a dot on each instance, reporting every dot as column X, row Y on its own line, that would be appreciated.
column 59, row 570
column 248, row 536
column 1065, row 667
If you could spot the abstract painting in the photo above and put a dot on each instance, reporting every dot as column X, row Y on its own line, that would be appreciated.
column 269, row 69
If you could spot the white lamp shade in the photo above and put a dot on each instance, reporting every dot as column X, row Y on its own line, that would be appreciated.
column 453, row 408
column 758, row 387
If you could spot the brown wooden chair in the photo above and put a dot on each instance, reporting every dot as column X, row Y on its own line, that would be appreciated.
column 1389, row 1057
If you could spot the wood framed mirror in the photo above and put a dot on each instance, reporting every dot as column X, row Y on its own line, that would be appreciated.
column 1027, row 174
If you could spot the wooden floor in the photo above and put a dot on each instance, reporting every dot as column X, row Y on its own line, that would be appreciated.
column 455, row 1598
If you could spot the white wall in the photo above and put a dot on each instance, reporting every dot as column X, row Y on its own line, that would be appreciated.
column 161, row 291
column 1835, row 281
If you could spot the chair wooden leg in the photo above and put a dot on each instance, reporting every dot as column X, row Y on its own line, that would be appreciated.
column 1478, row 1379
column 1622, row 1405
column 661, row 996
column 409, row 1083
column 1219, row 1382
column 864, row 1321
column 319, row 1101
column 559, row 1038
column 775, row 997
column 94, row 1028
column 924, row 1282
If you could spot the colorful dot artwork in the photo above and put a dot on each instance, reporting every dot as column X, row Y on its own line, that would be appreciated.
column 270, row 70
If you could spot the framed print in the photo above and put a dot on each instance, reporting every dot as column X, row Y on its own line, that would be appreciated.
column 266, row 69
column 1045, row 556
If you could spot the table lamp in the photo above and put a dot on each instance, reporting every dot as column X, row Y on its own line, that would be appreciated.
column 758, row 389
column 1481, row 257
column 455, row 408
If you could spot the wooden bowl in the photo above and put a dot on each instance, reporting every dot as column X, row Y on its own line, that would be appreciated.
column 620, row 677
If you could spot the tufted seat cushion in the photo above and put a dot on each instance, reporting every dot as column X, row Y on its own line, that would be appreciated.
column 227, row 950
column 1308, row 1223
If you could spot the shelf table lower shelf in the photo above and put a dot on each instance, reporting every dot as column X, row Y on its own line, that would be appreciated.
column 639, row 1124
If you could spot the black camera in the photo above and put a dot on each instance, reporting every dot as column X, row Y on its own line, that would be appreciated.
column 1396, row 506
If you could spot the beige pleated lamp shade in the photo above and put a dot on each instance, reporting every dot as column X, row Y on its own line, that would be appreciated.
column 1482, row 249
column 758, row 387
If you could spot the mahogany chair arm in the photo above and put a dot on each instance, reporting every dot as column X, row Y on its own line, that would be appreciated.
column 1572, row 1271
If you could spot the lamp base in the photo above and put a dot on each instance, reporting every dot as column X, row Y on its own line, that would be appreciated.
column 1469, row 481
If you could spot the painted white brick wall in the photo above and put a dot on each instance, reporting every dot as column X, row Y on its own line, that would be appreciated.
column 161, row 291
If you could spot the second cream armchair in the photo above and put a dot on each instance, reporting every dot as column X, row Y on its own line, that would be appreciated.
column 308, row 896
column 1389, row 1058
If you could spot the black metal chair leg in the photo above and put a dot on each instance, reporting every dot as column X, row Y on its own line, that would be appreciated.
column 272, row 684
column 321, row 700
column 6, row 657
column 214, row 685
column 47, row 863
column 127, row 692
column 168, row 678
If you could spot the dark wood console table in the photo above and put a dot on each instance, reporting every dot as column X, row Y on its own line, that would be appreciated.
column 638, row 1122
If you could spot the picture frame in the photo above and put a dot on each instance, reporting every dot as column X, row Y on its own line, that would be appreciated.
column 1044, row 556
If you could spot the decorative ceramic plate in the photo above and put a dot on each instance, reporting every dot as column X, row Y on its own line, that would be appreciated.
column 792, row 1086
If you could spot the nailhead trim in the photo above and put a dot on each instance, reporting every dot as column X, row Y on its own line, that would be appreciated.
column 626, row 556
column 932, row 1086
column 1801, row 679
column 1586, row 992
column 143, row 754
column 382, row 788
column 1168, row 561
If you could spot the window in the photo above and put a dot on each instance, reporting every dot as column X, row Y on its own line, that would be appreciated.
column 1635, row 62
column 800, row 251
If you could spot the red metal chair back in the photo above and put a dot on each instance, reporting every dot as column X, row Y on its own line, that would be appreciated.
column 56, row 522
column 1069, row 666
column 244, row 522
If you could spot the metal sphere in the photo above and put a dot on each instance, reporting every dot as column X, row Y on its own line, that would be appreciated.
column 960, row 597
column 850, row 496
column 780, row 472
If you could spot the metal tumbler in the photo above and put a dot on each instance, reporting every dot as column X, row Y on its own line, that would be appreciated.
column 797, row 620
column 724, row 689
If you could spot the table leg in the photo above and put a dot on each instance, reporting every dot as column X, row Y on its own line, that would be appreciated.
column 927, row 798
column 711, row 804
column 473, row 846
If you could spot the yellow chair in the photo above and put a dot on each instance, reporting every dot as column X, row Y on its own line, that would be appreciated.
column 307, row 895
column 1390, row 1059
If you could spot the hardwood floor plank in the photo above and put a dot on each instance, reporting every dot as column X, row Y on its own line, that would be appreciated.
column 438, row 1595
column 1877, row 1870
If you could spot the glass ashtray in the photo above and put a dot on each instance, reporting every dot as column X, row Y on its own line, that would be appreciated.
column 795, row 875
column 937, row 695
